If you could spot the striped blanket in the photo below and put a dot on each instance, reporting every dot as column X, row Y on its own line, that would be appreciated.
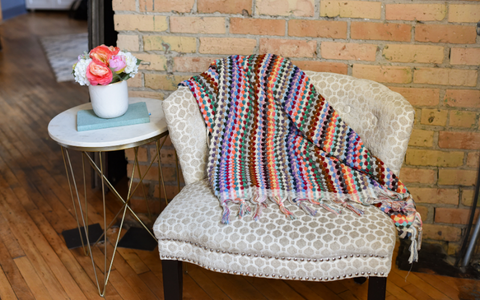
column 273, row 137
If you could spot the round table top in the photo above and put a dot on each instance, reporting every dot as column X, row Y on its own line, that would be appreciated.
column 63, row 129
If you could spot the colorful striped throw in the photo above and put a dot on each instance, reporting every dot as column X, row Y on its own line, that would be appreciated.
column 273, row 137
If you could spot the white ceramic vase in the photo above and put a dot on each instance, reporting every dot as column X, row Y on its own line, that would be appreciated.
column 109, row 101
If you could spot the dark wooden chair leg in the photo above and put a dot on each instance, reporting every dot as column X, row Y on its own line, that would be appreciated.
column 377, row 288
column 360, row 280
column 172, row 279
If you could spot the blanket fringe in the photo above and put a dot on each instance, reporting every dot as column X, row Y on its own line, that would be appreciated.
column 283, row 208
column 330, row 208
column 244, row 208
column 226, row 213
column 303, row 206
column 260, row 201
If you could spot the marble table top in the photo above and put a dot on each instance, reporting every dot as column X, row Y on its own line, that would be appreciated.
column 63, row 129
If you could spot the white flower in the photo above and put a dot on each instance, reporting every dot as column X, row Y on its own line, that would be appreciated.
column 80, row 71
column 131, row 61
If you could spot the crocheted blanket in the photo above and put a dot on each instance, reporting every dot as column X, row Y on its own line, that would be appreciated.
column 273, row 137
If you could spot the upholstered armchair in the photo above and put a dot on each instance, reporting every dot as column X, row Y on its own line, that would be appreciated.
column 321, row 248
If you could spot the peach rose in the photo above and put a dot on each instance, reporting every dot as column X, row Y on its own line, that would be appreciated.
column 98, row 73
column 101, row 53
column 114, row 50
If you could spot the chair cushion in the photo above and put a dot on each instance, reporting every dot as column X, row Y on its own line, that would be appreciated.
column 324, row 246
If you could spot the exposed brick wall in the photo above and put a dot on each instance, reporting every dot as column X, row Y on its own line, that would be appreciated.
column 427, row 51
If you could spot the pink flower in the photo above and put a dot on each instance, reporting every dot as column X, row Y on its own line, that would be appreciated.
column 117, row 63
column 98, row 73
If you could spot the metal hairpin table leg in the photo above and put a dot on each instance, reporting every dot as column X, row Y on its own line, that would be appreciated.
column 82, row 214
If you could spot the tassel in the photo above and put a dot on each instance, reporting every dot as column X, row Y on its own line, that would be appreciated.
column 330, row 208
column 244, row 208
column 303, row 206
column 260, row 201
column 226, row 213
column 414, row 246
column 313, row 202
column 283, row 208
column 358, row 211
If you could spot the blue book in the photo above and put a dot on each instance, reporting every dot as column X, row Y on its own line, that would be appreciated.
column 137, row 113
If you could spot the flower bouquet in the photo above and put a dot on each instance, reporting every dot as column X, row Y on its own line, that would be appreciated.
column 105, row 71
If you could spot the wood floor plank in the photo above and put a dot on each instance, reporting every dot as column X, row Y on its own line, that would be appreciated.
column 48, row 278
column 66, row 256
column 13, row 274
column 6, row 290
column 153, row 283
column 133, row 260
column 31, row 277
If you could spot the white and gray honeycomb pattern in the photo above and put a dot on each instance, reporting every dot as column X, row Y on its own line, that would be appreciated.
column 380, row 116
column 187, row 132
column 323, row 247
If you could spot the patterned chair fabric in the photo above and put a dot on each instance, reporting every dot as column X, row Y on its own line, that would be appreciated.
column 321, row 248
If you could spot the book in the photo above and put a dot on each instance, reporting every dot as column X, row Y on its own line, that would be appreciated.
column 137, row 113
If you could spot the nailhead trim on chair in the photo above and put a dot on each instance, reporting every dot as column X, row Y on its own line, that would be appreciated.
column 168, row 257
column 276, row 257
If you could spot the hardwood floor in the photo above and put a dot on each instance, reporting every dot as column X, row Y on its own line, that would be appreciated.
column 35, row 205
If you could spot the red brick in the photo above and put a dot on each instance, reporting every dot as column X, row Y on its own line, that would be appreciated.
column 257, row 26
column 457, row 177
column 321, row 66
column 243, row 46
column 440, row 76
column 453, row 215
column 348, row 51
column 383, row 73
column 181, row 6
column 465, row 56
column 299, row 8
column 459, row 140
column 171, row 191
column 436, row 196
column 413, row 53
column 441, row 232
column 140, row 206
column 381, row 31
column 142, row 154
column 318, row 28
column 152, row 174
column 412, row 175
column 288, row 48
column 419, row 96
column 464, row 13
column 440, row 33
column 412, row 12
column 351, row 9
column 215, row 25
column 224, row 6
column 191, row 64
column 473, row 159
column 463, row 98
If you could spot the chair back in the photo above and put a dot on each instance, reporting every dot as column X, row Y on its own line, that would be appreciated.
column 382, row 118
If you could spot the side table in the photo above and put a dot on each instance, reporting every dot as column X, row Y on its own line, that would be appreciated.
column 62, row 129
